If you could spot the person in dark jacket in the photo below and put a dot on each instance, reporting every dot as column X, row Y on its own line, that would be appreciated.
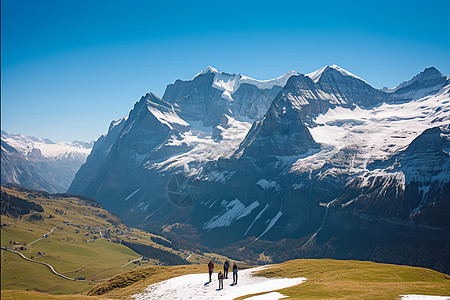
column 226, row 265
column 211, row 269
column 235, row 273
column 220, row 277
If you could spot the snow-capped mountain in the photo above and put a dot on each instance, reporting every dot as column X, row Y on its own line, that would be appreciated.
column 315, row 76
column 304, row 161
column 197, row 121
column 211, row 94
column 40, row 163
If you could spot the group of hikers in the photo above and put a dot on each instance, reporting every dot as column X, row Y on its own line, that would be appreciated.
column 221, row 276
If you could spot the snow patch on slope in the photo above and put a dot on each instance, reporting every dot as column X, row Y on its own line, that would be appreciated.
column 219, row 176
column 257, row 217
column 167, row 117
column 203, row 147
column 382, row 130
column 235, row 211
column 424, row 297
column 267, row 184
column 268, row 296
column 271, row 224
column 132, row 194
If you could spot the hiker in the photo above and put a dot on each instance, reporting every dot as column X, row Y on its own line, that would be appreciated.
column 211, row 269
column 220, row 277
column 226, row 265
column 235, row 273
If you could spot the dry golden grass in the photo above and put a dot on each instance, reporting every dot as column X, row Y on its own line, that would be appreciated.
column 326, row 279
column 124, row 285
column 348, row 279
column 21, row 295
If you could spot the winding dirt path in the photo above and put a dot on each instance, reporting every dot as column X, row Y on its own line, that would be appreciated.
column 43, row 236
column 132, row 261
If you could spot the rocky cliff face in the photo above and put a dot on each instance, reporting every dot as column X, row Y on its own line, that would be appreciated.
column 212, row 94
column 302, row 158
column 165, row 143
column 98, row 155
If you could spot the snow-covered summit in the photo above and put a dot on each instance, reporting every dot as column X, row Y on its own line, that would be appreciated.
column 207, row 70
column 41, row 164
column 315, row 76
column 268, row 84
column 230, row 83
column 26, row 144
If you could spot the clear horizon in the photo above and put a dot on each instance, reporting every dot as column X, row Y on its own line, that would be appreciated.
column 70, row 68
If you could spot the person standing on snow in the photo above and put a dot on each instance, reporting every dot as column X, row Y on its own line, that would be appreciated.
column 220, row 277
column 211, row 269
column 226, row 265
column 235, row 273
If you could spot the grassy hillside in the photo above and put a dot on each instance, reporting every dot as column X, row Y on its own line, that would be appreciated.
column 21, row 295
column 326, row 279
column 124, row 285
column 348, row 279
column 83, row 240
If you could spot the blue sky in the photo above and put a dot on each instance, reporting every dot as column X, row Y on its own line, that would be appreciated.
column 70, row 67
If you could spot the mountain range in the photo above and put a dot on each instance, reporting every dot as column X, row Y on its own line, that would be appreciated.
column 40, row 163
column 304, row 165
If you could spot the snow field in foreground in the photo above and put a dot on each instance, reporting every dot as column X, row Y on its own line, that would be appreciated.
column 423, row 297
column 195, row 286
column 268, row 296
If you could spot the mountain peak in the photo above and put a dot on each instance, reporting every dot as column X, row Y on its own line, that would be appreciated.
column 208, row 69
column 114, row 123
column 229, row 83
column 426, row 75
column 429, row 73
column 150, row 95
column 316, row 75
